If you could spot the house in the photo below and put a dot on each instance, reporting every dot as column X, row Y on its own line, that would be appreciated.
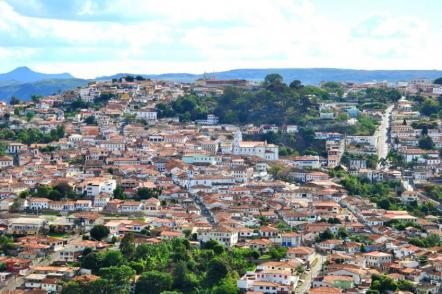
column 26, row 226
column 334, row 281
column 306, row 254
column 102, row 199
column 410, row 196
column 260, row 245
column 131, row 206
column 329, row 245
column 148, row 114
column 95, row 186
column 83, row 205
column 37, row 203
column 306, row 161
column 261, row 149
column 16, row 265
column 377, row 259
column 6, row 161
column 289, row 239
column 270, row 277
column 325, row 290
column 34, row 281
column 151, row 205
column 225, row 235
column 5, row 204
column 268, row 232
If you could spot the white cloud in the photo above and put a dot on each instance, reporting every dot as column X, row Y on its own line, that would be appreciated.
column 102, row 37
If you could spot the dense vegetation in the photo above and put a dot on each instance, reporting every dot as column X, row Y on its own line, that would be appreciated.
column 32, row 135
column 57, row 192
column 384, row 194
column 273, row 103
column 303, row 142
column 168, row 266
column 383, row 284
column 428, row 106
column 98, row 102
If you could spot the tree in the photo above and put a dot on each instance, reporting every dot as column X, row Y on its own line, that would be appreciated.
column 29, row 116
column 217, row 270
column 129, row 78
column 14, row 101
column 111, row 258
column 119, row 193
column 102, row 286
column 182, row 279
column 425, row 142
column 98, row 232
column 119, row 276
column 438, row 81
column 383, row 284
column 72, row 287
column 146, row 193
column 65, row 190
column 153, row 282
column 326, row 235
column 91, row 120
column 296, row 85
column 226, row 286
column 91, row 261
column 36, row 98
column 127, row 246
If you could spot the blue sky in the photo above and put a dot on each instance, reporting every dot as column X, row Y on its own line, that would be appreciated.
column 101, row 37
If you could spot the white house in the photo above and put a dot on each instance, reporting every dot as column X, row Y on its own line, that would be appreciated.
column 225, row 235
column 255, row 148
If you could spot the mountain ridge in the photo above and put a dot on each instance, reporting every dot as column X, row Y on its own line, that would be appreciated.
column 25, row 74
column 306, row 75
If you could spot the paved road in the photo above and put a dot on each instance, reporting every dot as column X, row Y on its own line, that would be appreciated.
column 381, row 134
column 308, row 277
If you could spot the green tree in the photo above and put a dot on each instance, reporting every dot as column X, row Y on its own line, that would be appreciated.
column 146, row 193
column 217, row 270
column 119, row 193
column 14, row 101
column 226, row 286
column 127, row 246
column 111, row 258
column 326, row 235
column 91, row 261
column 90, row 120
column 99, row 232
column 120, row 276
column 383, row 284
column 72, row 287
column 438, row 81
column 425, row 142
column 182, row 279
column 153, row 282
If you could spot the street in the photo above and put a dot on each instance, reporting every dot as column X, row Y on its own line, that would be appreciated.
column 308, row 276
column 381, row 134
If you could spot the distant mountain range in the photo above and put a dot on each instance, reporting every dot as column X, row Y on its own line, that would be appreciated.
column 23, row 82
column 307, row 75
column 25, row 74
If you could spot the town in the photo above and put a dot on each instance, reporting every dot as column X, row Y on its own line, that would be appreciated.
column 133, row 185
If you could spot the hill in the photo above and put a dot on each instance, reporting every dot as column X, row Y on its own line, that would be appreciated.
column 44, row 87
column 312, row 76
column 25, row 75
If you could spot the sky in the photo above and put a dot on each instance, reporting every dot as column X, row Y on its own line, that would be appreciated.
column 90, row 38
